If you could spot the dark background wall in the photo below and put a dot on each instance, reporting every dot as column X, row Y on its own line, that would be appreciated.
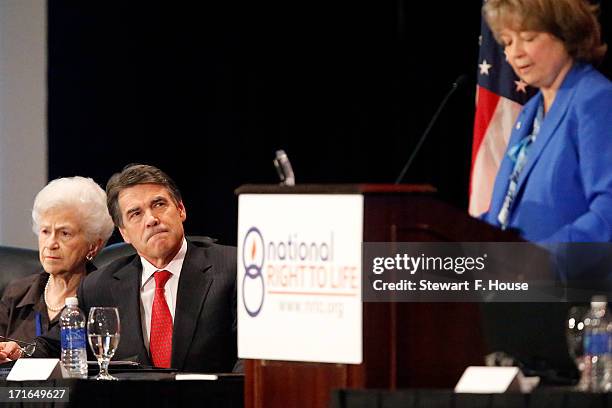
column 208, row 91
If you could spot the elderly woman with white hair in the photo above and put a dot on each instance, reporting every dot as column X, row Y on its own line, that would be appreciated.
column 72, row 223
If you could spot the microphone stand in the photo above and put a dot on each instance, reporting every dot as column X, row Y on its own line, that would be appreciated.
column 458, row 82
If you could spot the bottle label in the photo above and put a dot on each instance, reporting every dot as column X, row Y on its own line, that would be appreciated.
column 597, row 343
column 73, row 338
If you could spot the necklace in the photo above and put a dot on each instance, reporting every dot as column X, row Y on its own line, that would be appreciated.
column 54, row 308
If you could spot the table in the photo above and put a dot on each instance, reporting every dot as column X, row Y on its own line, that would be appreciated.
column 420, row 398
column 143, row 390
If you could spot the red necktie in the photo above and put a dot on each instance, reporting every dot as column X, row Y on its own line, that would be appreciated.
column 160, row 344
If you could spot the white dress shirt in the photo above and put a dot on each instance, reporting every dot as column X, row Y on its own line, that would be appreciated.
column 147, row 289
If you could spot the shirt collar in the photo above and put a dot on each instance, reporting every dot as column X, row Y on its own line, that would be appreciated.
column 33, row 294
column 174, row 267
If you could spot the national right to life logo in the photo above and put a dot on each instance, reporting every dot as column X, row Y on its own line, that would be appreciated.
column 253, row 257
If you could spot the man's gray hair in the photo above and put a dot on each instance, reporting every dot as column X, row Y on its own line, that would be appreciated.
column 82, row 194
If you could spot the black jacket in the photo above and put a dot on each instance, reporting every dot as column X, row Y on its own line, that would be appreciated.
column 21, row 301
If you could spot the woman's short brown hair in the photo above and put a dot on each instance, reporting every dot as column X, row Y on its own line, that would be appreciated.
column 574, row 22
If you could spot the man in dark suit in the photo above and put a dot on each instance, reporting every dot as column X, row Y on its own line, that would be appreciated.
column 176, row 299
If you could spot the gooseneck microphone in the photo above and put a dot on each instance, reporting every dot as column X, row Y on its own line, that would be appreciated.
column 284, row 169
column 461, row 79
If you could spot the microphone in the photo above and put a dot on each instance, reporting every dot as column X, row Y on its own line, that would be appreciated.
column 461, row 79
column 284, row 169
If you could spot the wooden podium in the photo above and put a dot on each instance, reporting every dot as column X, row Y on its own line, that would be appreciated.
column 404, row 344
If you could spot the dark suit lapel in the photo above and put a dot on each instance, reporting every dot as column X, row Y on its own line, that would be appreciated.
column 194, row 283
column 126, row 292
column 551, row 122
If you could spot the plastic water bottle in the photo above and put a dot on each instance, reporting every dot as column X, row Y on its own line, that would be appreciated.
column 74, row 339
column 598, row 346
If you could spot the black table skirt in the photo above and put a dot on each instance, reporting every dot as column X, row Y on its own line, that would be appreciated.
column 448, row 399
column 146, row 393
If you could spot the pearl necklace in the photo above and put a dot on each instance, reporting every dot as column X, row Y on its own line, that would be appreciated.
column 51, row 308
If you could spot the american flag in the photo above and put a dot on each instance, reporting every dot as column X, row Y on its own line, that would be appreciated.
column 499, row 97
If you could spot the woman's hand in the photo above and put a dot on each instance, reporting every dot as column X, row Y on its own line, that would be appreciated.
column 9, row 351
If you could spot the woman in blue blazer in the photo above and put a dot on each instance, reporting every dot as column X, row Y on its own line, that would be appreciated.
column 555, row 181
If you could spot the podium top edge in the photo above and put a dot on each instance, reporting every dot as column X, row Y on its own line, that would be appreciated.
column 336, row 189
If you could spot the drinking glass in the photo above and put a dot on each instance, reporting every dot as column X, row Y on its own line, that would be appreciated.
column 574, row 334
column 103, row 330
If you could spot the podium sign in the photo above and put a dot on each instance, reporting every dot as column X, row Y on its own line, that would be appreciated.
column 299, row 277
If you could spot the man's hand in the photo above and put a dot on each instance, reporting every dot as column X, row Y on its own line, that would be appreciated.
column 9, row 351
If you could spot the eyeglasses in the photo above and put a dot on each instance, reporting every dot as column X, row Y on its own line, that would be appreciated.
column 27, row 349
